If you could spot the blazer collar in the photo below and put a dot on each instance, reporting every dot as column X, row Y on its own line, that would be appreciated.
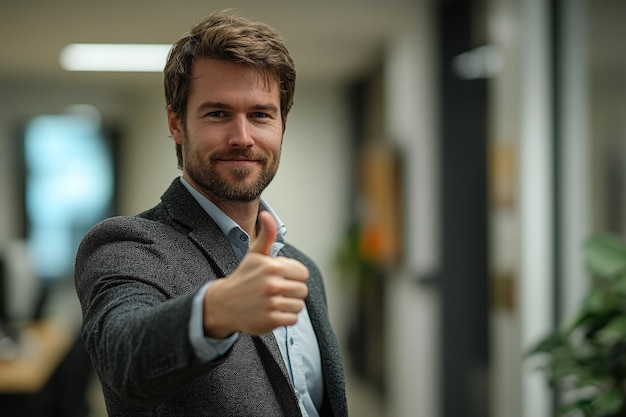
column 185, row 210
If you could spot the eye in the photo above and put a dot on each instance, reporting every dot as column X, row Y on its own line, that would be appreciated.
column 217, row 113
column 259, row 115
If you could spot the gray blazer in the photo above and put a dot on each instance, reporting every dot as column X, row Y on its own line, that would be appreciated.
column 136, row 277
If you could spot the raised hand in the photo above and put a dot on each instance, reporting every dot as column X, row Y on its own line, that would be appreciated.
column 261, row 294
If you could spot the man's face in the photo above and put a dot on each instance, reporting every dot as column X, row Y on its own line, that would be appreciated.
column 232, row 135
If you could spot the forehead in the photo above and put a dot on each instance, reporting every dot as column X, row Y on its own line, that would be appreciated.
column 209, row 75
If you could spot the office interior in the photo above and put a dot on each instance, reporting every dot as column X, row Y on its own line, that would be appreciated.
column 444, row 162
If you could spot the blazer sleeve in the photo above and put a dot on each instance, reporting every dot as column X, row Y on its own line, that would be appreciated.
column 136, row 306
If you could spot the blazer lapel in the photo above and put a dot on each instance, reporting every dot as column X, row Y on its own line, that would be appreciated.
column 268, row 351
column 272, row 346
column 216, row 248
column 203, row 231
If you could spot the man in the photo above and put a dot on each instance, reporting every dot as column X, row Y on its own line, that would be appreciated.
column 197, row 307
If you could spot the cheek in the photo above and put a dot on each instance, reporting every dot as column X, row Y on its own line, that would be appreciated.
column 270, row 138
column 203, row 140
column 274, row 148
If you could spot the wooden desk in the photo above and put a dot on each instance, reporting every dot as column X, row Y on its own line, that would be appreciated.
column 43, row 345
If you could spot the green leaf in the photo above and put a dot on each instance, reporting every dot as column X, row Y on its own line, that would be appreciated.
column 566, row 409
column 598, row 300
column 577, row 405
column 608, row 403
column 613, row 332
column 581, row 321
column 584, row 358
column 548, row 344
column 605, row 255
column 619, row 285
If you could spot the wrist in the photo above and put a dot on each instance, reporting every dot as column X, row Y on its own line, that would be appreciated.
column 213, row 321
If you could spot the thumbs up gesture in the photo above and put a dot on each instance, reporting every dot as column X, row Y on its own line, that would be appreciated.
column 263, row 293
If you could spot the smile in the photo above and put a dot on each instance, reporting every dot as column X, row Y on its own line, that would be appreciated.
column 239, row 161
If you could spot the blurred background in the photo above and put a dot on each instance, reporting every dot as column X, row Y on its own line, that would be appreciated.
column 444, row 162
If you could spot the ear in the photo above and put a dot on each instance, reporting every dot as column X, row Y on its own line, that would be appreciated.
column 175, row 125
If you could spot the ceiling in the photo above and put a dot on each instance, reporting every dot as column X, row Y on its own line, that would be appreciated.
column 330, row 39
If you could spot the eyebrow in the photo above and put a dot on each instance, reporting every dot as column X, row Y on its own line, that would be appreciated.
column 269, row 107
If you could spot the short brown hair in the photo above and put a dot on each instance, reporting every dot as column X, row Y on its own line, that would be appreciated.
column 231, row 38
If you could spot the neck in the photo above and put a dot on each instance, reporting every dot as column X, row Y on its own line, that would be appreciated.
column 243, row 213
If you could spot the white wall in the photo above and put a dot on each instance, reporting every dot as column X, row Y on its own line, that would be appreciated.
column 535, row 163
column 147, row 159
column 413, row 319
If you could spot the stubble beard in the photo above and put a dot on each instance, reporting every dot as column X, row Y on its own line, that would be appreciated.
column 237, row 188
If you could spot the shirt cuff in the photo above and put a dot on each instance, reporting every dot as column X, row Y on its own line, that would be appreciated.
column 206, row 349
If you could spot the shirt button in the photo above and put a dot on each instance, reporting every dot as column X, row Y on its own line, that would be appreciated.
column 291, row 341
column 243, row 238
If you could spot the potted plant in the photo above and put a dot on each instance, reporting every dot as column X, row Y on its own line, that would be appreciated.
column 586, row 358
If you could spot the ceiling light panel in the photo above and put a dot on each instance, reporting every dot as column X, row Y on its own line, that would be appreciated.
column 114, row 57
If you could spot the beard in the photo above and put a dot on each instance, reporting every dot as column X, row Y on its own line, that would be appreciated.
column 239, row 183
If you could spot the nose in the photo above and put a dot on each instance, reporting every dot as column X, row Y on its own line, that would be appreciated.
column 240, row 134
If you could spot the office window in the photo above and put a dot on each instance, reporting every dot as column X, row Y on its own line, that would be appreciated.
column 69, row 186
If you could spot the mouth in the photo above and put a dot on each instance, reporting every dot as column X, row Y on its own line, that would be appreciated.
column 237, row 158
column 238, row 162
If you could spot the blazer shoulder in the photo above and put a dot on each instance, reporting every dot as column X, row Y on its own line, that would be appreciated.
column 125, row 227
column 115, row 232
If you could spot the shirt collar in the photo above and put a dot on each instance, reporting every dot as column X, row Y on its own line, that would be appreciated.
column 225, row 223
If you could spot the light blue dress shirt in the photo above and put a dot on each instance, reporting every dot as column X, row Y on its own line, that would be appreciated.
column 298, row 343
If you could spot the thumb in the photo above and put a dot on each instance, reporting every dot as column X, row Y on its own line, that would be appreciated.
column 267, row 234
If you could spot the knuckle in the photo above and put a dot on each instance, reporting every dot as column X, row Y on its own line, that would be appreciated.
column 273, row 304
column 272, row 287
